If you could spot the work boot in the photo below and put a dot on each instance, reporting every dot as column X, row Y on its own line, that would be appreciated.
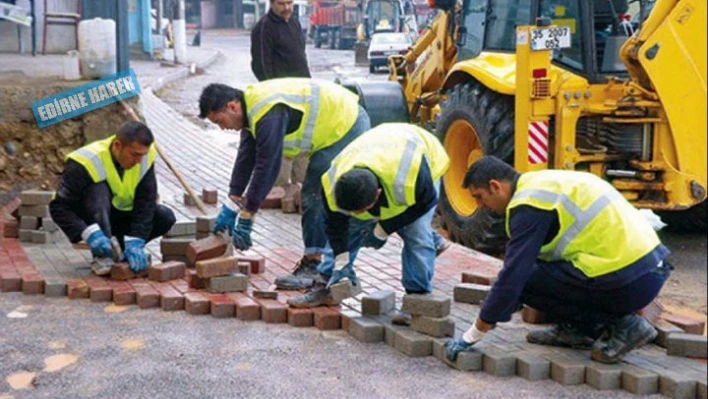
column 401, row 318
column 562, row 334
column 101, row 266
column 444, row 246
column 622, row 336
column 303, row 276
column 316, row 296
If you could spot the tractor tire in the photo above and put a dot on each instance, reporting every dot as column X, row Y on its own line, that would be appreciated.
column 474, row 121
column 691, row 220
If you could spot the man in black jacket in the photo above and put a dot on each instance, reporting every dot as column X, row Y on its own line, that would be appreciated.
column 109, row 188
column 278, row 45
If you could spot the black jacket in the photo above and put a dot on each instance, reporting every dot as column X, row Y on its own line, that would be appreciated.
column 278, row 48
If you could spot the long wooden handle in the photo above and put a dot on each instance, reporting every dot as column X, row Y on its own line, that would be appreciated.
column 169, row 163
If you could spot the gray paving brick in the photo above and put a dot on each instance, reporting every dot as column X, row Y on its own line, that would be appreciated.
column 48, row 225
column 413, row 344
column 532, row 367
column 205, row 223
column 687, row 345
column 434, row 326
column 664, row 329
column 677, row 386
column 432, row 305
column 24, row 235
column 499, row 363
column 182, row 228
column 39, row 211
column 36, row 197
column 471, row 293
column 365, row 329
column 466, row 361
column 232, row 283
column 41, row 237
column 378, row 302
column 702, row 391
column 29, row 223
column 603, row 376
column 175, row 246
column 439, row 348
column 390, row 331
column 343, row 290
column 54, row 287
column 638, row 380
column 566, row 371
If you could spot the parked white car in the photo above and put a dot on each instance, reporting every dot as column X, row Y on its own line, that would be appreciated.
column 385, row 44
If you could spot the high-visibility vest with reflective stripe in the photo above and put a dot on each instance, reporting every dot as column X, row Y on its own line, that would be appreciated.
column 600, row 231
column 96, row 159
column 394, row 153
column 329, row 111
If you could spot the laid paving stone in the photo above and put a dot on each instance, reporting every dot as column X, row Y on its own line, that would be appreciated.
column 121, row 272
column 390, row 331
column 687, row 345
column 426, row 305
column 32, row 283
column 273, row 311
column 170, row 298
column 123, row 293
column 222, row 306
column 378, row 302
column 439, row 348
column 365, row 329
column 638, row 380
column 41, row 237
column 77, row 289
column 235, row 282
column 603, row 376
column 246, row 308
column 677, row 386
column 471, row 293
column 146, row 296
column 566, row 371
column 300, row 317
column 99, row 290
column 54, row 287
column 434, row 326
column 196, row 303
column 664, row 329
column 466, row 361
column 499, row 363
column 413, row 344
column 326, row 318
column 532, row 367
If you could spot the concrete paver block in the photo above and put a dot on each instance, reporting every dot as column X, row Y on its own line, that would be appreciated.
column 210, row 196
column 688, row 345
column 466, row 361
column 603, row 376
column 222, row 266
column 182, row 229
column 38, row 211
column 433, row 326
column 222, row 306
column 439, row 348
column 274, row 311
column 702, row 392
column 300, row 317
column 247, row 308
column 344, row 290
column 499, row 363
column 175, row 246
column 196, row 303
column 426, row 305
column 688, row 324
column 32, row 283
column 54, row 287
column 206, row 248
column 121, row 271
column 24, row 235
column 41, row 237
column 471, row 293
column 365, row 329
column 479, row 277
column 236, row 282
column 676, row 386
column 48, row 225
column 166, row 271
column 413, row 344
column 326, row 318
column 205, row 223
column 29, row 223
column 170, row 298
column 566, row 371
column 36, row 197
column 664, row 329
column 639, row 381
column 378, row 302
column 390, row 332
column 11, row 229
column 532, row 367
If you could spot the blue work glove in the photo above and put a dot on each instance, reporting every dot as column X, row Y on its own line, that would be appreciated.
column 377, row 238
column 241, row 237
column 454, row 347
column 98, row 242
column 342, row 268
column 135, row 254
column 227, row 217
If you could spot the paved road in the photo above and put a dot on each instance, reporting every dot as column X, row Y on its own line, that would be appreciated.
column 688, row 285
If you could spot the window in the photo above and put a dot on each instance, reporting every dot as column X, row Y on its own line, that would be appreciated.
column 475, row 13
column 567, row 13
column 503, row 16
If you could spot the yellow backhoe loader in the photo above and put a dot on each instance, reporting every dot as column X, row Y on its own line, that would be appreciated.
column 612, row 87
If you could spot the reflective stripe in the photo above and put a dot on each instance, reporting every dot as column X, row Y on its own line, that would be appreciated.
column 399, row 184
column 144, row 167
column 311, row 118
column 95, row 159
column 581, row 217
column 294, row 98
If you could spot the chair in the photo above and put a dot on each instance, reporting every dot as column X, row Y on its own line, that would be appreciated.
column 52, row 17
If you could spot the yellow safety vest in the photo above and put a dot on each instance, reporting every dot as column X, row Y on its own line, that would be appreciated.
column 329, row 111
column 600, row 231
column 393, row 152
column 96, row 159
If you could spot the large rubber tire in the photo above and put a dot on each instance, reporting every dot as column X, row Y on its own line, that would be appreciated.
column 691, row 220
column 473, row 121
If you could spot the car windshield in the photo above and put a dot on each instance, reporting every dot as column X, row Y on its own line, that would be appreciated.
column 390, row 39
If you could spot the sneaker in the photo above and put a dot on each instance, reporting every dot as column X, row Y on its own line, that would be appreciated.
column 401, row 318
column 302, row 277
column 316, row 296
column 101, row 266
column 622, row 336
column 562, row 334
column 444, row 246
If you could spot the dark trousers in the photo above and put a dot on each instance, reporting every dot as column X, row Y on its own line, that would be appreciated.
column 585, row 306
column 98, row 209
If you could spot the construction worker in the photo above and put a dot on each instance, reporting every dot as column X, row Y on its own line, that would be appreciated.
column 578, row 251
column 109, row 188
column 283, row 117
column 384, row 182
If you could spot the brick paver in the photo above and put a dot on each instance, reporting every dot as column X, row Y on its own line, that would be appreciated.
column 206, row 159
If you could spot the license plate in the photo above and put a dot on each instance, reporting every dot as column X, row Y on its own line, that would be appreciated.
column 550, row 38
column 390, row 52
